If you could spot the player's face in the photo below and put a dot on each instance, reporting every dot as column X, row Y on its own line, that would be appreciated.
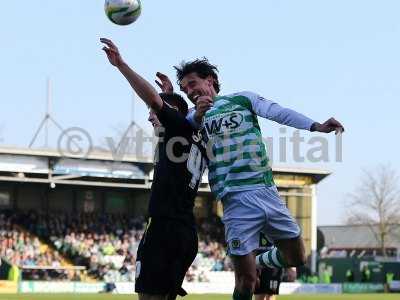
column 153, row 119
column 194, row 86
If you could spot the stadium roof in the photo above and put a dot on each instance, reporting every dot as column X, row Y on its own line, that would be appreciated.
column 49, row 166
column 93, row 155
column 27, row 165
column 317, row 175
column 356, row 236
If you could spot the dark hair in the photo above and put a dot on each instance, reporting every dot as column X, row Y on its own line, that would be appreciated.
column 175, row 100
column 201, row 67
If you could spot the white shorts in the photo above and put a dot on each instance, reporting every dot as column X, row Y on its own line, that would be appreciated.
column 247, row 214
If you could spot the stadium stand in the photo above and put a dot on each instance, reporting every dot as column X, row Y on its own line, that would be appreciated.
column 358, row 240
column 105, row 244
column 22, row 248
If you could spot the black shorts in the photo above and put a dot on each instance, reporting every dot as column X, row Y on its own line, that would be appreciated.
column 165, row 253
column 270, row 280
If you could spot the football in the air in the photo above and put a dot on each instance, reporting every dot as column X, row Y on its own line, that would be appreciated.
column 123, row 12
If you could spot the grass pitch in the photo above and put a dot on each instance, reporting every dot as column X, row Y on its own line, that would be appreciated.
column 195, row 297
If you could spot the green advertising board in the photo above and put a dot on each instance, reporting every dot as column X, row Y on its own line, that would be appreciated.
column 358, row 288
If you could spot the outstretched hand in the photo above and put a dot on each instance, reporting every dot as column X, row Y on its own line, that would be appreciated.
column 112, row 52
column 164, row 83
column 329, row 126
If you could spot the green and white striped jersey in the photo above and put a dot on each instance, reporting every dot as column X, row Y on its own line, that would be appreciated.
column 238, row 159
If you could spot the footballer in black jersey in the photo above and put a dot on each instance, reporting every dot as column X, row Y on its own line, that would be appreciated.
column 179, row 166
column 269, row 279
column 169, row 244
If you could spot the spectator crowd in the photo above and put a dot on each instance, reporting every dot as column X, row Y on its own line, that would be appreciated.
column 104, row 244
column 21, row 248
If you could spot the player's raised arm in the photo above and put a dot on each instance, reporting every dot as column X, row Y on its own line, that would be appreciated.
column 273, row 111
column 141, row 86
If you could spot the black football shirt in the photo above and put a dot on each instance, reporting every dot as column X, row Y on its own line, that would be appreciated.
column 179, row 167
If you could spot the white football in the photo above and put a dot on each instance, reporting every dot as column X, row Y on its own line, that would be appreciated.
column 122, row 12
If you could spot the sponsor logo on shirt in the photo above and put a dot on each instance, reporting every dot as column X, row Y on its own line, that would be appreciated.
column 224, row 123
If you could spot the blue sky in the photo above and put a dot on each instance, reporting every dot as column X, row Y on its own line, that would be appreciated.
column 322, row 58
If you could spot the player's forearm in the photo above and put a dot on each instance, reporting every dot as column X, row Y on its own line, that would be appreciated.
column 289, row 117
column 142, row 87
column 285, row 116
